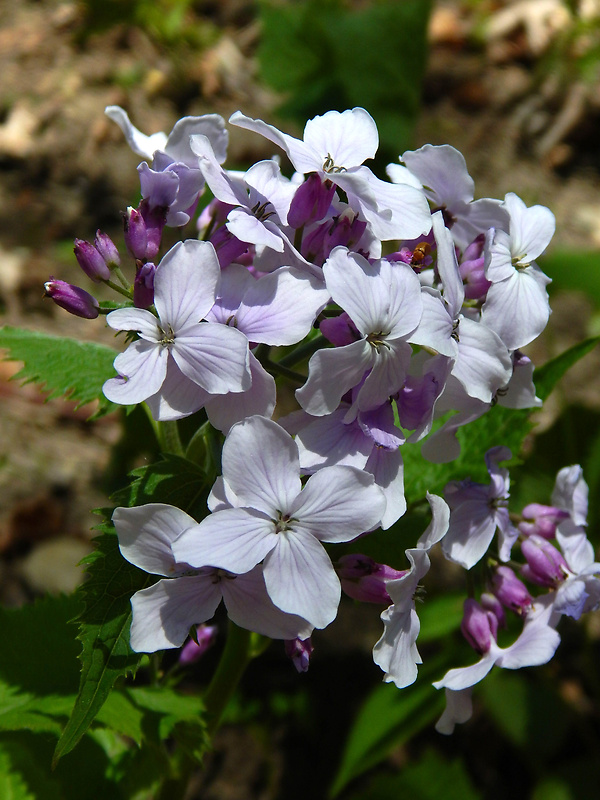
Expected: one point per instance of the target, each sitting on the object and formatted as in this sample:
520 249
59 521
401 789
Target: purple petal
224 410
142 369
215 357
185 283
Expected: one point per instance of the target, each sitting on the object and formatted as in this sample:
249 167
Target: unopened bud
364 579
107 249
143 285
90 260
192 651
478 626
541 520
300 651
545 565
490 602
311 201
511 591
73 299
135 234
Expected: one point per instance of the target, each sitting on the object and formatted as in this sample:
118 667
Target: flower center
283 522
330 167
377 340
167 337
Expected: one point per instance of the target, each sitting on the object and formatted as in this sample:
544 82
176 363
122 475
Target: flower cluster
409 299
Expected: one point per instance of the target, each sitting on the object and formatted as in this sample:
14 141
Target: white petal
338 503
517 308
280 308
250 607
388 469
260 464
210 125
327 441
396 651
349 138
135 319
472 528
459 709
178 397
185 283
242 223
443 170
302 157
331 373
300 578
142 369
235 539
164 613
438 527
146 534
143 145
531 229
463 677
224 410
483 364
215 357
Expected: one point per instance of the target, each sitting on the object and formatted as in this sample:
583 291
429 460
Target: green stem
300 353
234 659
279 369
119 289
168 438
125 283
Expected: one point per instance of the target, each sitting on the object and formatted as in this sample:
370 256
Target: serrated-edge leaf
62 366
106 655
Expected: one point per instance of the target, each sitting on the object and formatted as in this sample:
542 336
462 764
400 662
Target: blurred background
515 86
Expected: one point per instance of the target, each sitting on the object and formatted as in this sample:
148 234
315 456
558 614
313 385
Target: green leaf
173 480
65 367
304 53
389 717
106 619
547 376
431 778
104 634
440 616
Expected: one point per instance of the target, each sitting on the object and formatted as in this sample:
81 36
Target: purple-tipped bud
311 201
90 260
472 270
192 651
541 520
143 285
339 330
107 249
300 651
135 234
155 218
73 299
312 244
478 626
213 216
364 579
511 591
228 247
490 602
545 564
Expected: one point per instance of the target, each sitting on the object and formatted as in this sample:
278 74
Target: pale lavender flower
272 517
477 510
516 305
383 301
179 361
396 652
335 146
164 613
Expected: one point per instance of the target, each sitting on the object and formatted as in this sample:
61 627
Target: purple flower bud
143 285
107 249
545 565
312 244
478 626
192 651
364 579
541 520
212 217
490 603
228 247
136 235
311 201
155 218
73 299
511 591
300 651
472 270
339 330
91 261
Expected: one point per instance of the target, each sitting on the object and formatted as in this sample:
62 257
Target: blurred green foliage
331 54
